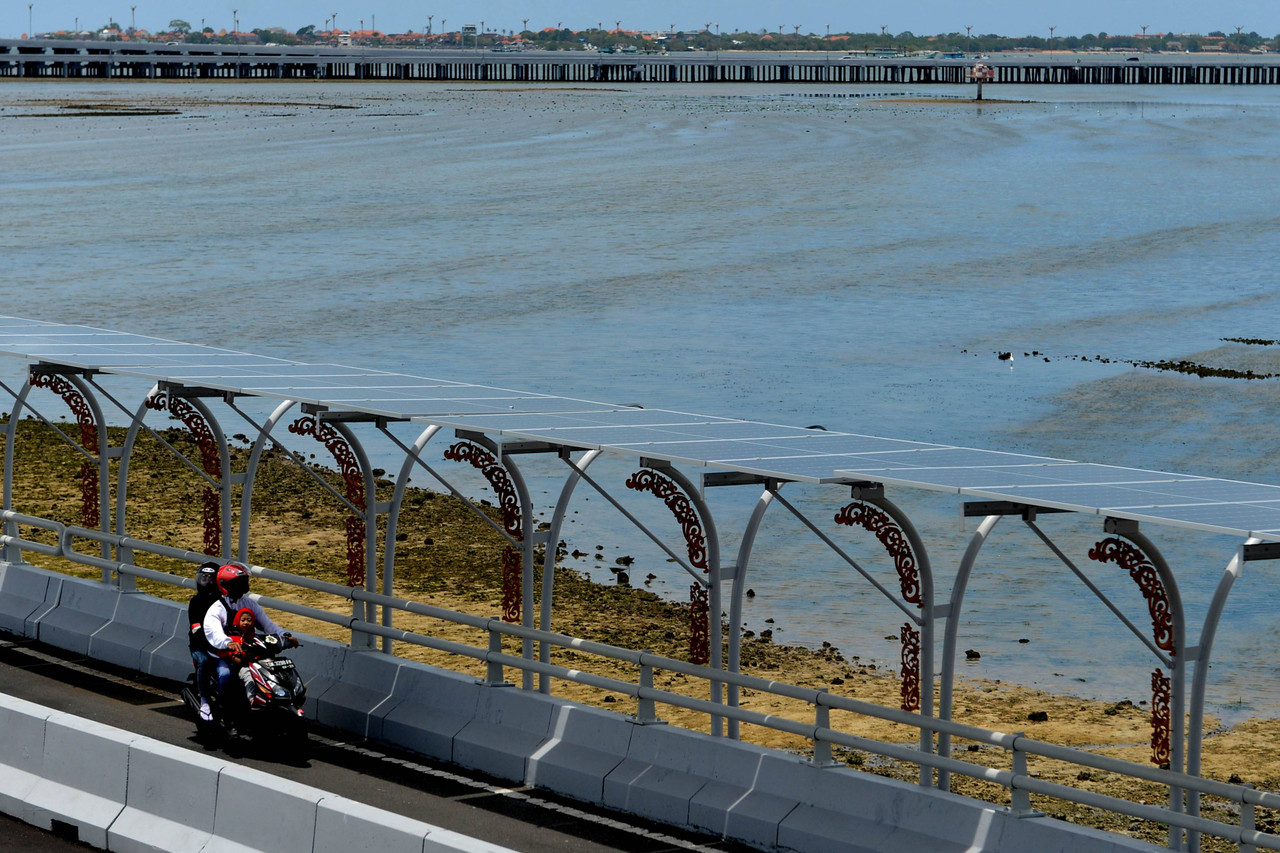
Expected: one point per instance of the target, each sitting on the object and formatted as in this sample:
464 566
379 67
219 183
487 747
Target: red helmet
233 581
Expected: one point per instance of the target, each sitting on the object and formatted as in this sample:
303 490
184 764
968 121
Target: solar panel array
727 444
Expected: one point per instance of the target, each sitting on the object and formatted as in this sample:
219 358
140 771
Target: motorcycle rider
201 652
233 584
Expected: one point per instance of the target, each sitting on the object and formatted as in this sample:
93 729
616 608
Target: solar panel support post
1128 528
12 552
393 521
366 611
738 571
873 494
947 688
251 470
215 439
93 423
527 518
713 583
549 555
1200 678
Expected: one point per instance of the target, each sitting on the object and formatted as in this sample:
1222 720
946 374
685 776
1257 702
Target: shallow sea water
747 251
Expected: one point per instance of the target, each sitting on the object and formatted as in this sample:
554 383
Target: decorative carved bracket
352 477
664 488
1161 718
896 544
210 457
1129 557
512 522
90 512
699 625
910 667
894 541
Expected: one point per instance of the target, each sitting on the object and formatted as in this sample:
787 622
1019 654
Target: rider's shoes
205 713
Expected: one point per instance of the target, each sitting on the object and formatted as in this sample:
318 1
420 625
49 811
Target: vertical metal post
1199 680
493 672
927 620
645 710
549 556
393 521
251 471
1177 710
735 602
12 553
1247 823
1019 798
947 688
821 720
715 620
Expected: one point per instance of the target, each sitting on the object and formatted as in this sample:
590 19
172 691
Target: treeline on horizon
552 38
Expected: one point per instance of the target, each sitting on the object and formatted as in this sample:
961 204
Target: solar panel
788 453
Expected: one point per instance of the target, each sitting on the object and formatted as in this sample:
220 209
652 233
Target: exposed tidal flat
741 250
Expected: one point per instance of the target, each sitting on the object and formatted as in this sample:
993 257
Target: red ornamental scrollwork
353 478
1160 718
486 463
894 541
512 584
90 511
910 668
210 457
512 521
699 625
1126 556
648 480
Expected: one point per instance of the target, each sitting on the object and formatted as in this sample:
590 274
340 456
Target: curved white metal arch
224 458
529 528
393 522
549 555
251 473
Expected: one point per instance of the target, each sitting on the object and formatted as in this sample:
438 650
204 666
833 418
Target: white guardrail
1018 782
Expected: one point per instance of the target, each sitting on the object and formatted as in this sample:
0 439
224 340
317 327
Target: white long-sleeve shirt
216 618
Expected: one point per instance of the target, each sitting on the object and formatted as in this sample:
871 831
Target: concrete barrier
737 802
83 778
367 682
83 608
320 663
167 803
428 709
26 594
506 729
137 623
21 751
128 793
664 768
585 746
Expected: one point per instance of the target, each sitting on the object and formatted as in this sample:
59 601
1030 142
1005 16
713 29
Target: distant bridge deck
58 59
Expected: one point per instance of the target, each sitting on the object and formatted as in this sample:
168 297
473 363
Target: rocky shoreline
448 557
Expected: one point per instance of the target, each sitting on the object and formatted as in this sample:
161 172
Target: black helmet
207 576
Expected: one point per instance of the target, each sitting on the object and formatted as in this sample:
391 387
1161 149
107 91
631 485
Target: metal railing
1018 781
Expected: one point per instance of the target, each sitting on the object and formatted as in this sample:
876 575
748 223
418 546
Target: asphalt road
523 819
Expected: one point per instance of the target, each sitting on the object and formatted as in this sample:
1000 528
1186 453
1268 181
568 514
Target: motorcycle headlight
281 692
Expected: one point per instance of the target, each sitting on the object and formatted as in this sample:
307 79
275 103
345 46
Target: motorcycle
269 701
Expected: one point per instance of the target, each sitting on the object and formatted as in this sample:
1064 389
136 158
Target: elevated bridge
682 460
56 59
